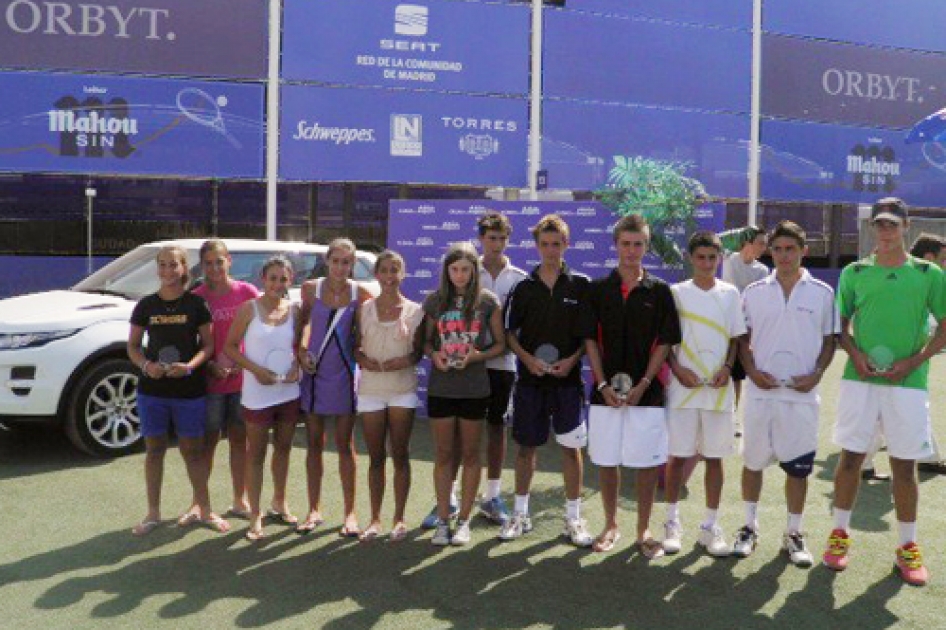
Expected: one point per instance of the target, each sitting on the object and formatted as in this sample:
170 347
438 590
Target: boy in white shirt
700 399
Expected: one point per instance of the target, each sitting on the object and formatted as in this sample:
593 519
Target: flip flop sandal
234 512
186 520
255 535
369 534
398 534
144 528
606 541
309 526
217 524
283 517
652 549
345 532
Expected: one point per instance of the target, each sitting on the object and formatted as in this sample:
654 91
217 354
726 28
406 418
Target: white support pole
535 101
272 117
90 194
756 113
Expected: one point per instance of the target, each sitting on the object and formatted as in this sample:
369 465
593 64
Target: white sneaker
462 535
794 544
673 537
712 538
577 533
441 534
519 524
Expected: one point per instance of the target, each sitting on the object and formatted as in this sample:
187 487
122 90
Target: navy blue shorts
500 390
187 415
537 410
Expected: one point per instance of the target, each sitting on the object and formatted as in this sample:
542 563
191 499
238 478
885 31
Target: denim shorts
187 415
223 412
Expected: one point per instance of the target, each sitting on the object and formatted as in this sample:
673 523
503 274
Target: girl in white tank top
270 397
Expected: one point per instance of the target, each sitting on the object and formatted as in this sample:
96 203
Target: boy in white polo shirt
885 301
792 324
700 395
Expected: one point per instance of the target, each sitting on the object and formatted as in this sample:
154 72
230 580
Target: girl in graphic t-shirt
171 390
224 295
261 342
463 329
387 348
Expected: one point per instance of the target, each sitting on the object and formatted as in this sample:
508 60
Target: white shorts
701 431
778 431
367 404
900 414
635 437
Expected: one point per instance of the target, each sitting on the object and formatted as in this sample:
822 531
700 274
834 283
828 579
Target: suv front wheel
102 411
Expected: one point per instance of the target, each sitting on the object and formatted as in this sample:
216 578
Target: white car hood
60 310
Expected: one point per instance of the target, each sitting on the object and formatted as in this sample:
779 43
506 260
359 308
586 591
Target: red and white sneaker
910 565
835 556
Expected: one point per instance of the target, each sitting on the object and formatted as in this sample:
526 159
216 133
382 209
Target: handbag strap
337 316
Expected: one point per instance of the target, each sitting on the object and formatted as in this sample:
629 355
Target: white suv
63 353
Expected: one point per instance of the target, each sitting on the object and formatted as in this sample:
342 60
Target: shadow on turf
340 583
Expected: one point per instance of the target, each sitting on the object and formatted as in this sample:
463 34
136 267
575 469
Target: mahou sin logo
92 127
874 168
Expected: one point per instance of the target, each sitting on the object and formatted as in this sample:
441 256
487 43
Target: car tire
102 410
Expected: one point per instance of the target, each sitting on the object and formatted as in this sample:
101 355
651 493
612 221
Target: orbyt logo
407 135
410 20
88 20
480 146
873 167
93 126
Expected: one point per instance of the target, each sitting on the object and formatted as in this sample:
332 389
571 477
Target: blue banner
433 44
916 24
345 134
120 125
731 14
646 62
834 163
422 230
209 38
580 140
831 82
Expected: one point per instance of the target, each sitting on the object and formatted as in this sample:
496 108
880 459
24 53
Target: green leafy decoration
661 192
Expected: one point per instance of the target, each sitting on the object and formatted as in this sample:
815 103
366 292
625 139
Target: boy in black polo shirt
631 324
543 329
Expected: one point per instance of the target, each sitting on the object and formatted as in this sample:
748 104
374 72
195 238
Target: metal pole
756 112
90 193
535 101
272 117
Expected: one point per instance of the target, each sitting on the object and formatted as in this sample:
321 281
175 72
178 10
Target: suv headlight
18 341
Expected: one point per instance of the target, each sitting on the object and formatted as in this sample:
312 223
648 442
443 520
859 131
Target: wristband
602 385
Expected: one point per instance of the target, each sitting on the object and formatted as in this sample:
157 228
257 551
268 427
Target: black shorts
500 388
465 408
738 372
536 410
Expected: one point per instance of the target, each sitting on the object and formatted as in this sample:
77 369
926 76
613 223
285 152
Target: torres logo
480 146
407 135
874 168
92 127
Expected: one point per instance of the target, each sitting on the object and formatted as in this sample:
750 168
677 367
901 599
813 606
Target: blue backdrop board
422 230
729 14
831 82
916 24
646 62
834 163
110 125
209 38
436 44
580 139
370 134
